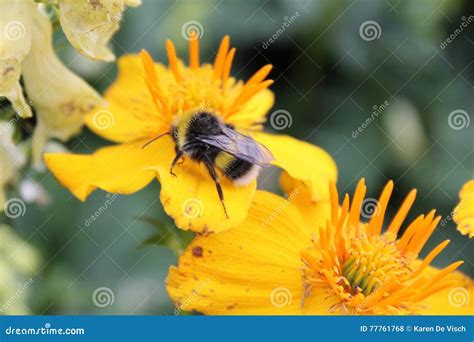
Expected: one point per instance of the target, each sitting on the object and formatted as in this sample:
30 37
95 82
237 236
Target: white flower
33 192
89 25
15 43
61 98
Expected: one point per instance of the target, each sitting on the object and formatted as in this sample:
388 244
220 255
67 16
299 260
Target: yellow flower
146 100
275 263
464 212
89 25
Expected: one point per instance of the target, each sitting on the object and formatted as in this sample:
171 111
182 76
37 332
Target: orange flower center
207 87
370 272
372 262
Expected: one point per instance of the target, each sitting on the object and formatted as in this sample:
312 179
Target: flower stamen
197 87
371 272
173 60
221 57
194 50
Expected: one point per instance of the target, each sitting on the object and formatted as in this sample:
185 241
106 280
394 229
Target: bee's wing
239 145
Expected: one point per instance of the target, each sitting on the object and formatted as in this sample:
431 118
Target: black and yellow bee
205 138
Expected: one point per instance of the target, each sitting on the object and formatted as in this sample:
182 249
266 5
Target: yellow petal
130 114
302 161
457 299
464 212
253 268
315 213
15 43
254 110
90 25
122 169
61 98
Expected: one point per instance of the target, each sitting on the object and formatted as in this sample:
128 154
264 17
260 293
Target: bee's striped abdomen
239 171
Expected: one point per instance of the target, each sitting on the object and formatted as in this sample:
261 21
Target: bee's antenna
156 138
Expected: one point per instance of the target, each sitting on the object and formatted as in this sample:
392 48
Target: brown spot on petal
96 4
7 70
68 108
197 251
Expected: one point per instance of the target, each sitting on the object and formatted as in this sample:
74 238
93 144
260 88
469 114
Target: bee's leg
215 177
178 156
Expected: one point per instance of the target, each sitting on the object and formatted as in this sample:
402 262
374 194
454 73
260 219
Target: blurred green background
331 76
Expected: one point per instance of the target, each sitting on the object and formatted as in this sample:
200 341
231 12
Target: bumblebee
205 138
